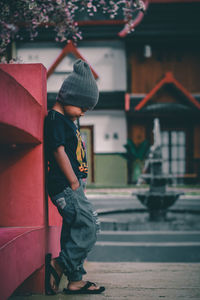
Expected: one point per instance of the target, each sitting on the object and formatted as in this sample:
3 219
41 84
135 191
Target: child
67 167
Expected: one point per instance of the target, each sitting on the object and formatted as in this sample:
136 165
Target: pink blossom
62 13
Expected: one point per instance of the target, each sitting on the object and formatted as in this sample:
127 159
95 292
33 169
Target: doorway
87 137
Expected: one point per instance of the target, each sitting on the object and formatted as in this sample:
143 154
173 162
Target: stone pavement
141 281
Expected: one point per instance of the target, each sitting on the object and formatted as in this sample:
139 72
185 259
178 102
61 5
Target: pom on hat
79 88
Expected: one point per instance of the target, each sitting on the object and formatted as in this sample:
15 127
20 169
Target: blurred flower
60 13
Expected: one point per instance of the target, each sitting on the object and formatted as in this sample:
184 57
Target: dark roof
161 107
162 22
107 100
167 107
169 21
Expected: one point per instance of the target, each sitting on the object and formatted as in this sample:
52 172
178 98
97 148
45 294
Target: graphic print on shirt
81 155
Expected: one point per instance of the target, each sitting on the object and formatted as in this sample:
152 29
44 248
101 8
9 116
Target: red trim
84 23
168 79
134 23
100 22
186 93
69 48
150 95
127 28
127 102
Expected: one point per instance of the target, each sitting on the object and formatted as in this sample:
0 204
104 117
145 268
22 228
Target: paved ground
141 281
137 280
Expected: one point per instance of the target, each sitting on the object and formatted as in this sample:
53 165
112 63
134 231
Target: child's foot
53 274
55 280
83 287
77 285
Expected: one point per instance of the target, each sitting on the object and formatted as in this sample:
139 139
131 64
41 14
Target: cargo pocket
87 216
66 207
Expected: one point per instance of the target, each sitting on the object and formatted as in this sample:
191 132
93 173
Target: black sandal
49 270
85 289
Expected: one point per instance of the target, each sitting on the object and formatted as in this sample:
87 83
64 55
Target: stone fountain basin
158 200
157 180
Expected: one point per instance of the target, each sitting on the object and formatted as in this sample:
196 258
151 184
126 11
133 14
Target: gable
168 94
167 91
68 49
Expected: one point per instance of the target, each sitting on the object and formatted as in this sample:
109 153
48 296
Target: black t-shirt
60 130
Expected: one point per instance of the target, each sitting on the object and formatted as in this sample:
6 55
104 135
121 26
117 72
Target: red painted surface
127 102
53 244
34 80
22 187
54 229
8 234
21 255
29 228
19 110
101 22
22 168
54 217
69 48
32 283
22 176
168 79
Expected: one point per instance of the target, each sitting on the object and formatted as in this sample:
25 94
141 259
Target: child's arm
65 166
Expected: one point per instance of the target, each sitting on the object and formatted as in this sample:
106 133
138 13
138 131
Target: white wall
107 125
109 61
107 58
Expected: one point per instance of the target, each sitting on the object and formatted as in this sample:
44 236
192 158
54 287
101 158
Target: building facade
151 73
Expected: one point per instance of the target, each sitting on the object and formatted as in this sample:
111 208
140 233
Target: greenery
135 151
61 14
135 155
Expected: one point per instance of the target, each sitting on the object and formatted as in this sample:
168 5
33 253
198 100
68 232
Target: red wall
21 155
23 203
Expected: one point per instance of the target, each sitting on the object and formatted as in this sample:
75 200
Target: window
174 152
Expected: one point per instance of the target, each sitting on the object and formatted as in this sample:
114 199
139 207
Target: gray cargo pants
78 235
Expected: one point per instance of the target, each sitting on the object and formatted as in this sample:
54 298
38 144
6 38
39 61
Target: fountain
128 234
157 199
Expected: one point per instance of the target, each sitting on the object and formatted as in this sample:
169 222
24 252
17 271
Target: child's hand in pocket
75 186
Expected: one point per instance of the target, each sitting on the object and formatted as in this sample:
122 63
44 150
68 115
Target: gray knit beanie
79 88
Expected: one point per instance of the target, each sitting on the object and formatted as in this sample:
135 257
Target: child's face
74 112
